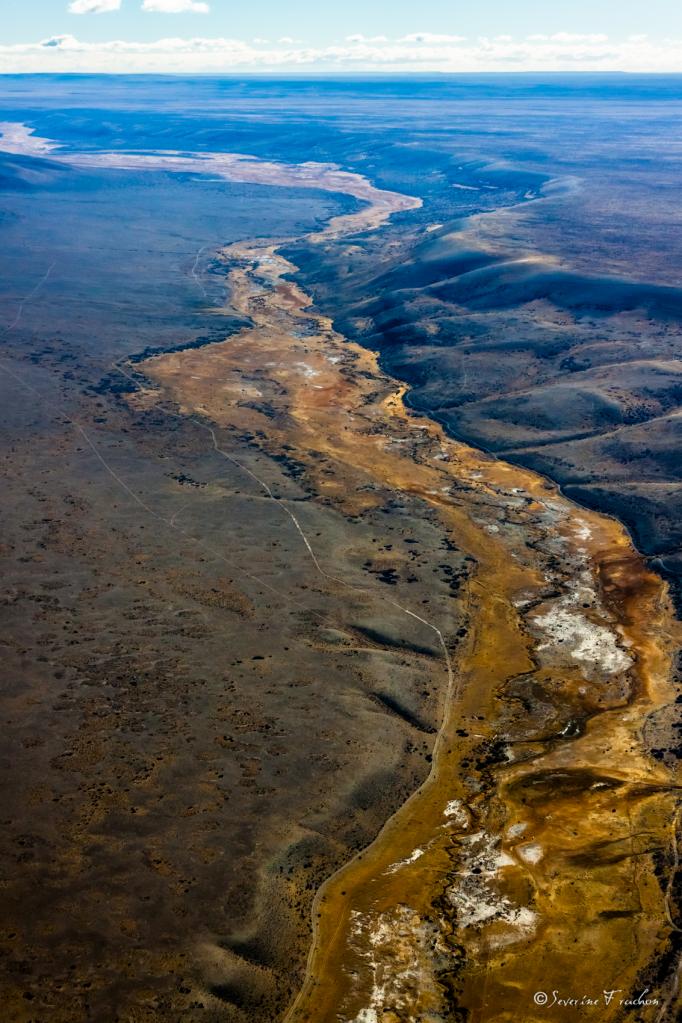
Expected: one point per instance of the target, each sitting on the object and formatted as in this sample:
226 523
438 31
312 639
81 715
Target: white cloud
175 6
571 37
559 52
94 6
430 37
359 38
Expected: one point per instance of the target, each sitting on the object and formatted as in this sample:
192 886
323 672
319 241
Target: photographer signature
542 998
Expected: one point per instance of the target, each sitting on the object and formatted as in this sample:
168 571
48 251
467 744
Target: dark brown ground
196 731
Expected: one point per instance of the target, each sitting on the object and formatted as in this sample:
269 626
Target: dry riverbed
538 855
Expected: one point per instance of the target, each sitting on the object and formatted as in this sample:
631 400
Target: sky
351 35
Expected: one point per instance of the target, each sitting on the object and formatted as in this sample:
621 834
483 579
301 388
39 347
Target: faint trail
27 298
669 892
193 272
669 900
174 517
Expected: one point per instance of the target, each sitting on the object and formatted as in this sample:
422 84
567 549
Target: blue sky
446 35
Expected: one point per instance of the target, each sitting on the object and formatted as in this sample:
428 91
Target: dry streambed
539 853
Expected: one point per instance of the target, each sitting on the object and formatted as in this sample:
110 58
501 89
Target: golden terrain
540 853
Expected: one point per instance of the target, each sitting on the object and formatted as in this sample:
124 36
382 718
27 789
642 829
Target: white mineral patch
582 530
517 829
570 632
474 894
585 641
414 855
531 853
307 370
396 948
479 907
18 138
370 1015
455 812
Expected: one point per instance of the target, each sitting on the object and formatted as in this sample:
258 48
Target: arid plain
314 711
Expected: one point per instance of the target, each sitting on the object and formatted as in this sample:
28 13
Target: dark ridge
507 284
233 994
433 262
253 950
383 639
27 173
394 707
